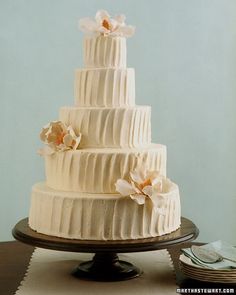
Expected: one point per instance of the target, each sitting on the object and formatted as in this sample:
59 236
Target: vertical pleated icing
97 170
104 52
79 200
110 127
104 87
100 217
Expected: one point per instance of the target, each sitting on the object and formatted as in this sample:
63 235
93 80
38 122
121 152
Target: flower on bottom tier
145 185
58 137
105 25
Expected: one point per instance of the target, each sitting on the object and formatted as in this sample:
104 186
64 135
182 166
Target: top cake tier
104 52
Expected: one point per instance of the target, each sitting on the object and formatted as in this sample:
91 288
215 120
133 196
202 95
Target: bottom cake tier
100 216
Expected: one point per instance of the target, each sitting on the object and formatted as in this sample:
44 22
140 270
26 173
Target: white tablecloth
49 274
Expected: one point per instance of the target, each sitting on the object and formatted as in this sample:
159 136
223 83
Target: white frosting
104 52
110 127
100 216
97 170
79 200
104 87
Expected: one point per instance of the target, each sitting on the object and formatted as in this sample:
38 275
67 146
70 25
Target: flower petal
101 15
168 185
124 187
103 30
157 200
156 181
114 25
76 142
125 31
43 133
154 174
158 187
88 25
120 19
137 176
62 147
46 151
71 131
148 190
57 127
138 198
68 140
136 189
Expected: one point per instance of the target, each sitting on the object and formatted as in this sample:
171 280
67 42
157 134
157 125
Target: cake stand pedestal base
105 265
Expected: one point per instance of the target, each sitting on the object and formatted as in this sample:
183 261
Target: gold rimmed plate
206 278
199 273
213 275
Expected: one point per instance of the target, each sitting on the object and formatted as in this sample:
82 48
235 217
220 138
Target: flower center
60 137
145 183
106 24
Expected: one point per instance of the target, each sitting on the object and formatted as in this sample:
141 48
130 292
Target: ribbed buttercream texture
104 51
110 127
96 171
100 217
104 87
79 200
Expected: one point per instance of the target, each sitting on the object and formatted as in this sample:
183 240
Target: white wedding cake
105 180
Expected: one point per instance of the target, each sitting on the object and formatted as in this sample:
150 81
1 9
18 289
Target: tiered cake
105 180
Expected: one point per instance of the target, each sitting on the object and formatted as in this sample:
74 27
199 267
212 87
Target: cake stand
105 265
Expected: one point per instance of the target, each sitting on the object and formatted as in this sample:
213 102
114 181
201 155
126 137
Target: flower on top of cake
104 24
58 137
146 185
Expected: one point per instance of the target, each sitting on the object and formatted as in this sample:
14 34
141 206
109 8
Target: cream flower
145 185
58 137
105 25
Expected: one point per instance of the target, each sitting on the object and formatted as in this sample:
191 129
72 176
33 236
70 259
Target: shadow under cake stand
105 265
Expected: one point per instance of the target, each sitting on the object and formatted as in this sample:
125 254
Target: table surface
15 256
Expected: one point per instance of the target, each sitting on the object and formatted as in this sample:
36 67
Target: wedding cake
105 180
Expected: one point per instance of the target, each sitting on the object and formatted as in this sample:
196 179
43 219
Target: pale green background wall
184 53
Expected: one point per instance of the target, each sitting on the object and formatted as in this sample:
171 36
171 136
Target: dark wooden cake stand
105 265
